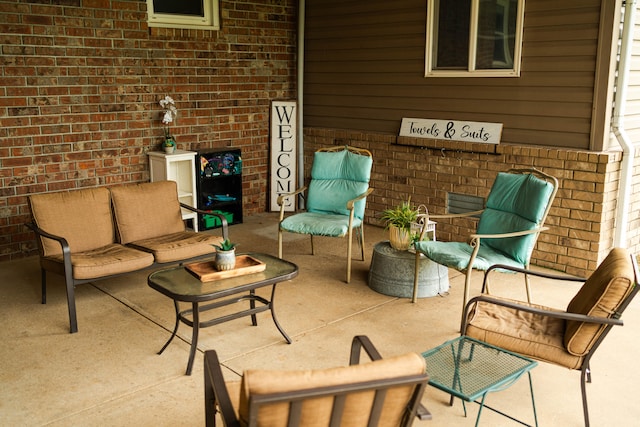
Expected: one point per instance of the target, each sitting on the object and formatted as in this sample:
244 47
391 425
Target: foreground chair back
508 228
385 392
336 198
568 337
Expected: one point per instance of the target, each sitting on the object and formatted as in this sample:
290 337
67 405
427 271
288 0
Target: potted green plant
225 255
398 221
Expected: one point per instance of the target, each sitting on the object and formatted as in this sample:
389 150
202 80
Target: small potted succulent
225 255
168 116
398 221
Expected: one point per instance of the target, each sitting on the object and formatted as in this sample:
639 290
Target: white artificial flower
167 118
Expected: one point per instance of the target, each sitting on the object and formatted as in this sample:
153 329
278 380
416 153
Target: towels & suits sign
453 130
284 146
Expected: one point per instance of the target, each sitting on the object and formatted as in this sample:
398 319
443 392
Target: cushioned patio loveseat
97 233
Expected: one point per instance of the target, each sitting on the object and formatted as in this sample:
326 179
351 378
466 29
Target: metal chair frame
217 398
585 369
350 206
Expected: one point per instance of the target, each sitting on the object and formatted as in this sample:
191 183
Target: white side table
179 166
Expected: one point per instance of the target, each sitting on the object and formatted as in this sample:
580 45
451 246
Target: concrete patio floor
109 373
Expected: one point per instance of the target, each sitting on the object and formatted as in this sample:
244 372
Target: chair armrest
445 216
522 306
216 394
282 197
223 219
352 202
505 235
529 273
362 342
66 250
533 273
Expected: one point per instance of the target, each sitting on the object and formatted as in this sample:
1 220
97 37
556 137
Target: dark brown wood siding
364 70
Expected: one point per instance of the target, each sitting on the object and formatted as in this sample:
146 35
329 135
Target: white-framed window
476 38
200 14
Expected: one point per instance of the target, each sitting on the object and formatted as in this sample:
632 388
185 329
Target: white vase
169 150
225 260
399 238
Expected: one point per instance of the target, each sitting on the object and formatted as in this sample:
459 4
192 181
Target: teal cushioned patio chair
508 228
336 198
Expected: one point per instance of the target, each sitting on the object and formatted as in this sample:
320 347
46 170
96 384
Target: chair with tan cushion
384 392
76 239
148 217
567 337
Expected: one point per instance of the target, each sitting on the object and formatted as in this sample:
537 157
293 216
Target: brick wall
79 89
581 219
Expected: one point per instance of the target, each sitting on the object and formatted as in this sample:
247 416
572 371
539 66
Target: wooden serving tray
206 271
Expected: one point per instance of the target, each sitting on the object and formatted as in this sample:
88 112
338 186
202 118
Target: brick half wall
581 220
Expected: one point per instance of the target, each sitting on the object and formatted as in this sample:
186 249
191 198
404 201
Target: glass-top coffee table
182 286
470 369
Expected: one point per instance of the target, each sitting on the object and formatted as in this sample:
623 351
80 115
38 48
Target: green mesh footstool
470 369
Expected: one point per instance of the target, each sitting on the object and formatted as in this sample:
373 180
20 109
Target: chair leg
349 248
467 288
585 376
360 236
313 251
527 285
486 286
43 279
416 275
71 302
279 243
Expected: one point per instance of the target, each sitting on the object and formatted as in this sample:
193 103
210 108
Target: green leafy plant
400 216
226 245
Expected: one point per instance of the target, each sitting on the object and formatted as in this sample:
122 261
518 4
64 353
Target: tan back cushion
83 217
317 412
145 211
600 296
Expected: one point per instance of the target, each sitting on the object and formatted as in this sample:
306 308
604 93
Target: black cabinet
219 182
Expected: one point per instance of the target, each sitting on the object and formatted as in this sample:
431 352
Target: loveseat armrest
221 217
64 245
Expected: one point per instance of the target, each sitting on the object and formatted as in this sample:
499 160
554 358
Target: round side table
392 273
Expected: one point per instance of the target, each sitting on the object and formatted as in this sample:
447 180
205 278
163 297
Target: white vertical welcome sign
283 152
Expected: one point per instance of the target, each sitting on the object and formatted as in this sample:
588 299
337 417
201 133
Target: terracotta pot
399 238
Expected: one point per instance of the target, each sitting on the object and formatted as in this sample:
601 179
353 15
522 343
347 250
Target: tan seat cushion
101 262
179 246
600 296
148 210
317 412
83 217
536 336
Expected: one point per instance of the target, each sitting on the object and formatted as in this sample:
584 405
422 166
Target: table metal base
184 317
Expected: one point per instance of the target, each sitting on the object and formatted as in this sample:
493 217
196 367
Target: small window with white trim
200 14
474 37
